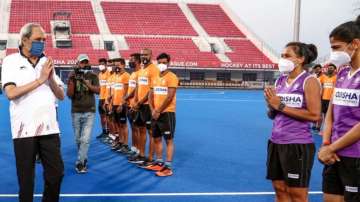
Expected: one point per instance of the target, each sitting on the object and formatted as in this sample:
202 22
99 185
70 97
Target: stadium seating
146 19
181 49
162 27
23 11
245 52
215 21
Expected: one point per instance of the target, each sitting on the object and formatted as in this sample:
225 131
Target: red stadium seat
182 50
215 21
146 19
24 11
246 52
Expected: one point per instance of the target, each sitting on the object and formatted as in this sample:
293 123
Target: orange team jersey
118 88
102 80
145 78
161 86
132 86
109 83
328 84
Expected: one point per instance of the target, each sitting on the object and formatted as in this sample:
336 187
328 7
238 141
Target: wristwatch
281 106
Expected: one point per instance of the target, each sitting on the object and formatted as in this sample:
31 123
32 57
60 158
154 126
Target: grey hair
26 31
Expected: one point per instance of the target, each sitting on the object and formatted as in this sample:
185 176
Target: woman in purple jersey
293 105
340 151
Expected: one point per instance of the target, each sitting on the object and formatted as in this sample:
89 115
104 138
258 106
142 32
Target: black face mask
132 65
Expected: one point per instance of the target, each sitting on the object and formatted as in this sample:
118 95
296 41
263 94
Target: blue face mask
37 48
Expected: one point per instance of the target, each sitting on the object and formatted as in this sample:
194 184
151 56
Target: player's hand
327 156
271 98
110 107
119 108
155 114
86 82
136 106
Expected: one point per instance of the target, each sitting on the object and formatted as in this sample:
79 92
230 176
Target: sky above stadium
272 20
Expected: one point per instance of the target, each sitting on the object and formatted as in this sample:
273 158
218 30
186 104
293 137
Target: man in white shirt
28 80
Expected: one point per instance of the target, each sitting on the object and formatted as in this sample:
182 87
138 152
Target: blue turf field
220 154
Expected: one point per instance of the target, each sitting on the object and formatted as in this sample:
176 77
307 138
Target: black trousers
48 147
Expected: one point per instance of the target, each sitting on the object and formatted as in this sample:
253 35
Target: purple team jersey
346 109
288 130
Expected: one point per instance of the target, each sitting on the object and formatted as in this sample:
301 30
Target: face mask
339 58
162 67
37 48
102 67
286 66
132 65
330 72
145 61
109 68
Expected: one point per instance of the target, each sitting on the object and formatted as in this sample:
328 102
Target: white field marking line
196 94
220 100
162 194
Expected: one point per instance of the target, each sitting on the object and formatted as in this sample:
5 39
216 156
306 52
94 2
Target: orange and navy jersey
132 85
146 77
109 83
102 81
328 84
118 89
161 86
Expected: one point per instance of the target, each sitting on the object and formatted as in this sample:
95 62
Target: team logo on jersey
292 100
346 97
158 90
357 80
296 86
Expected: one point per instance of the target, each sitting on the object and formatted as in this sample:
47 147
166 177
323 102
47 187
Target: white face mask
102 67
162 67
286 66
339 58
109 68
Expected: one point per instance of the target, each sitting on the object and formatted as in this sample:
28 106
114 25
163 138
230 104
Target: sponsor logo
118 86
346 97
328 85
132 83
293 176
292 100
352 189
143 81
160 90
102 82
